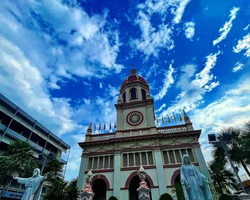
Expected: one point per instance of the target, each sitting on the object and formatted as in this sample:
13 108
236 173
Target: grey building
16 124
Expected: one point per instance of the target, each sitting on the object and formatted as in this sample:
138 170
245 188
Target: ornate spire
186 118
89 131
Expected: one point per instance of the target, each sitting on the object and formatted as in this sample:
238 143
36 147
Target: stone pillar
143 190
87 193
244 196
80 178
201 161
117 175
160 171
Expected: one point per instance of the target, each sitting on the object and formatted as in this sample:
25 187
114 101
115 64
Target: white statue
33 185
195 185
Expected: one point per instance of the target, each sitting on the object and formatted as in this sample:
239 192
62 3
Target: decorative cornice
146 148
135 104
141 137
96 171
177 165
136 168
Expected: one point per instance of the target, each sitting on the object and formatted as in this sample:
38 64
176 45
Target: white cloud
160 109
152 38
189 29
233 107
194 86
167 82
227 26
243 44
246 28
238 66
177 8
100 85
180 10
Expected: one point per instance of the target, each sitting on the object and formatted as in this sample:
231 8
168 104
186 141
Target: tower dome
134 88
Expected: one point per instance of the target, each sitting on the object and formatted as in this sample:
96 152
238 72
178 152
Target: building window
165 157
175 156
137 159
191 156
125 160
101 162
143 94
124 97
150 158
133 93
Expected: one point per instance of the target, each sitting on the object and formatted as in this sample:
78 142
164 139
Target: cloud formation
227 26
238 66
189 29
243 44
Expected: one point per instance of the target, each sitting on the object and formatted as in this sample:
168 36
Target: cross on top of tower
133 71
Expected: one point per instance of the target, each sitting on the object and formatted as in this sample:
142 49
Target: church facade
115 157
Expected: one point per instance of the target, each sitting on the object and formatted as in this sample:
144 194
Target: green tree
166 196
225 197
179 191
72 191
237 149
223 178
19 160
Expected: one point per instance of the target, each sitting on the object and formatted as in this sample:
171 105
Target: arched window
143 94
124 97
133 93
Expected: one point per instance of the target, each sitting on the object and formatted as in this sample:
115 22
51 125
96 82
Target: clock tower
135 107
114 157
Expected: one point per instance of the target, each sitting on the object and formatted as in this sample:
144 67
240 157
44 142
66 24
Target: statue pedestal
87 193
244 196
143 191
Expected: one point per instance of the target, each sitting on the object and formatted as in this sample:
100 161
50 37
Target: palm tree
72 190
237 149
18 159
223 179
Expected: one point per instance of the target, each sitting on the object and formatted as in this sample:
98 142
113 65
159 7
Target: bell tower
135 107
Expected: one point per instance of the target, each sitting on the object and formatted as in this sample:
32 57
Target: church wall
140 109
124 194
109 194
155 193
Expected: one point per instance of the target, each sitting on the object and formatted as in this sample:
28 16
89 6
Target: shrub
166 196
225 197
113 198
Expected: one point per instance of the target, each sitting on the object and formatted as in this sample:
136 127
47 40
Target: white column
147 158
160 172
117 175
92 164
134 158
109 162
98 160
175 160
168 157
128 160
80 179
103 159
140 159
201 161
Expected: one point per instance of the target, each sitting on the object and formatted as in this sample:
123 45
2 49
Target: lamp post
45 158
226 138
87 193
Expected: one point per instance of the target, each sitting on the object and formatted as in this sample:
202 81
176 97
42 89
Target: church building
114 158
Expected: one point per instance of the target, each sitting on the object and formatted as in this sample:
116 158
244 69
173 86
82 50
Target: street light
226 138
44 157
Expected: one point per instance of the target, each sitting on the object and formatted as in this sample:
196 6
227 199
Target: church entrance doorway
99 188
133 186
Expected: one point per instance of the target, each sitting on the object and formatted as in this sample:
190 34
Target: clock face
134 118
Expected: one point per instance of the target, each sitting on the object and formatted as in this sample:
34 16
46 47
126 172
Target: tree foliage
166 196
17 159
225 197
113 198
239 151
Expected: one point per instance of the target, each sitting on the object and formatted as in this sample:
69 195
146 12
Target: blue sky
64 61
